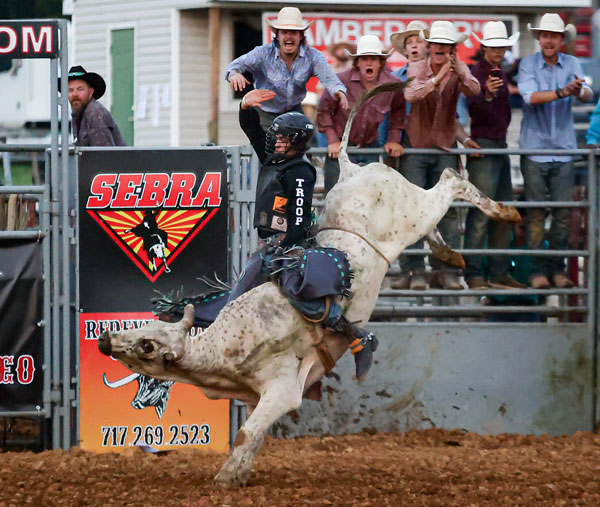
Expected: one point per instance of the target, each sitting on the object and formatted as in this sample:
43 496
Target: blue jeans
491 175
425 171
332 165
557 179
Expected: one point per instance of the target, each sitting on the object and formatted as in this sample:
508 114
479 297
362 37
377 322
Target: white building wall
165 62
94 20
194 82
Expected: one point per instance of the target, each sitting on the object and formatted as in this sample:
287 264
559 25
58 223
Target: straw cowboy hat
443 32
413 28
349 46
496 36
552 22
289 18
369 45
91 78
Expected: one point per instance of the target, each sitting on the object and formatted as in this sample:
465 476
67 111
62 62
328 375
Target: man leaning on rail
548 81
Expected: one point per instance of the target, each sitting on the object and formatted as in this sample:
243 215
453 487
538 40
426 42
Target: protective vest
271 199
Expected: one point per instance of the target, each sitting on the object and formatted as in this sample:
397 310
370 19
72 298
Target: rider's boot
361 342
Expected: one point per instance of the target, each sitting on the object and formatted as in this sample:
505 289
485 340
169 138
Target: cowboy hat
332 48
369 45
496 36
552 22
443 32
289 18
91 78
413 28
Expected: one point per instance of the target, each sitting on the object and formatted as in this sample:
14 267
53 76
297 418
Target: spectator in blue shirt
284 66
547 82
592 137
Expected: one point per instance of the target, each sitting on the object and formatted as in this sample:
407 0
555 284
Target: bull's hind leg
281 396
464 189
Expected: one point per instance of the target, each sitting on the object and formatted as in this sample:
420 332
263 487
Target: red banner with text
329 28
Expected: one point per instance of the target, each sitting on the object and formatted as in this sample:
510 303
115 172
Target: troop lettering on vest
299 200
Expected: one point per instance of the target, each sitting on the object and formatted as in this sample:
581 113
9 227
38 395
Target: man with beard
367 72
548 80
433 94
92 124
284 66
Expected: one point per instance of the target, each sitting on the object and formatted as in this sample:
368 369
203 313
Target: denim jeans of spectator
425 171
491 175
332 166
558 180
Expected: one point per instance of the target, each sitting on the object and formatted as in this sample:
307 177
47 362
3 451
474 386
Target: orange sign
120 409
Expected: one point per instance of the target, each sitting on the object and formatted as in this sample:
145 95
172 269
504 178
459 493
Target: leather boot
362 347
362 344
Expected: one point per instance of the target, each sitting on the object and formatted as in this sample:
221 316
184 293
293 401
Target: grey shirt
94 126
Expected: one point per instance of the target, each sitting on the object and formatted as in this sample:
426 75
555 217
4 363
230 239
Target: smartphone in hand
496 73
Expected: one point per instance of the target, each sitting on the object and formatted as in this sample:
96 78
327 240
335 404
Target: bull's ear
188 317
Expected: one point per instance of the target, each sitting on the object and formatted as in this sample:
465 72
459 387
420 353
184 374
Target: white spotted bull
260 349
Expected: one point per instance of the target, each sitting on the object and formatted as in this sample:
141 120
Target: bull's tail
394 86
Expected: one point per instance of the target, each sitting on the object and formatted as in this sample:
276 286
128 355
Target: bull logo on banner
152 217
150 393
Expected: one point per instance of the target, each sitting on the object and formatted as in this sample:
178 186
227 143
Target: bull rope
361 237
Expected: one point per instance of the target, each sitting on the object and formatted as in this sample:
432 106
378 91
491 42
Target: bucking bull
260 350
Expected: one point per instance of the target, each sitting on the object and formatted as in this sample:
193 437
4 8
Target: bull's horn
188 317
120 383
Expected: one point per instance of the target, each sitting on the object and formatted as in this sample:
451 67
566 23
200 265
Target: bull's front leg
280 396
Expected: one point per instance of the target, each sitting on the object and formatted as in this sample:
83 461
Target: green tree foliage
30 9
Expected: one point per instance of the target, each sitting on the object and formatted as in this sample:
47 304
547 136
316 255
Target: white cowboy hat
369 45
289 18
413 28
552 22
496 36
443 32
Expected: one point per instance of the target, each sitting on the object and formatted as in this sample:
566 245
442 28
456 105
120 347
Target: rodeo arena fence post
38 373
43 365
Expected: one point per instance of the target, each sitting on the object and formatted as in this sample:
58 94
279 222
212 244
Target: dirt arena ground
433 468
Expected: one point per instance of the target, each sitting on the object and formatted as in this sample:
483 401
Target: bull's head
150 350
151 392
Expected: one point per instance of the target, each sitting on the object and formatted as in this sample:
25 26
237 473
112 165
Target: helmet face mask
297 128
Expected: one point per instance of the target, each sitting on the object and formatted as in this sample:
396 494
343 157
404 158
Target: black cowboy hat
91 78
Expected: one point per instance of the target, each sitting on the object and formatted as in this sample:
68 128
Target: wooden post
214 34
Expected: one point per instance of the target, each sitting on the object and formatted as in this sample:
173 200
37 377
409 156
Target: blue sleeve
579 72
593 134
247 63
325 73
528 84
383 130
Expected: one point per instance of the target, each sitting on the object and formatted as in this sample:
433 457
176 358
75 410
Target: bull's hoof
508 213
449 256
228 480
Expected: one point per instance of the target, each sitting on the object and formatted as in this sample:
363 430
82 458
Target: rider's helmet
297 127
